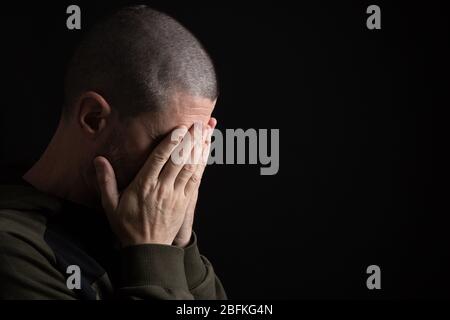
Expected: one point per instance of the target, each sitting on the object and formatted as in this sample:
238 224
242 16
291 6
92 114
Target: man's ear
93 112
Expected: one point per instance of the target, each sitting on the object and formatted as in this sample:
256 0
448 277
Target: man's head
135 76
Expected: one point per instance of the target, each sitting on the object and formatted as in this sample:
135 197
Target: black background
359 113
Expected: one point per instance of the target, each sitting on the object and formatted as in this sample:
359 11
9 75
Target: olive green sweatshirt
47 242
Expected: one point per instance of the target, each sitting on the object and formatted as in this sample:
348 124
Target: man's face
133 142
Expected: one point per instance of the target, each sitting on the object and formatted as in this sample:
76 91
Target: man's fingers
187 171
212 122
160 156
176 157
192 182
181 160
107 184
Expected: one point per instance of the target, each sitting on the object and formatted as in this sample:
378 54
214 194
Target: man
106 200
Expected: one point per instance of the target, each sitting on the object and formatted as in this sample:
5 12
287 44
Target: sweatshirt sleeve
153 271
202 281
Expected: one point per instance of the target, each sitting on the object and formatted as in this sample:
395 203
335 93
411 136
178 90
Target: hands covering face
158 205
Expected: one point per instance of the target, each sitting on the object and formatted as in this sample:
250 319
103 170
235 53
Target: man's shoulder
21 207
21 222
21 217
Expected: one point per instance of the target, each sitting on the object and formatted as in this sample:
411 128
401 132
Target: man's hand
153 207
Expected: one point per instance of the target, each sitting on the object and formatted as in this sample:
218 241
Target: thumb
106 180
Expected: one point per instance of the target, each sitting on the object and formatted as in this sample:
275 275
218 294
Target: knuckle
173 141
159 157
141 192
195 178
105 180
163 191
141 187
189 168
139 183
